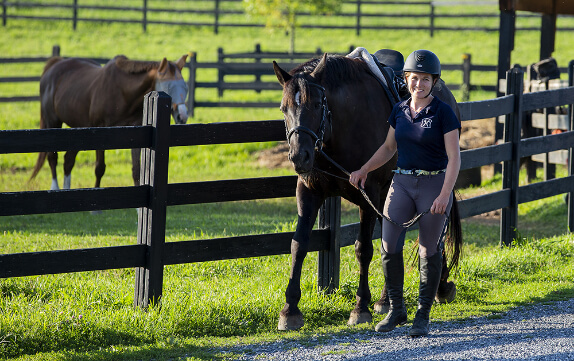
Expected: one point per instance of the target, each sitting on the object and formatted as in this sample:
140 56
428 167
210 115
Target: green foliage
283 13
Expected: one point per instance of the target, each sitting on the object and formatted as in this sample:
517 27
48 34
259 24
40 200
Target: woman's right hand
358 178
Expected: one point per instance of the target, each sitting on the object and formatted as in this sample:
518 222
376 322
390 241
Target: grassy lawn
208 308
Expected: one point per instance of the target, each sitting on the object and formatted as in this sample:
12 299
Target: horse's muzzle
179 114
302 160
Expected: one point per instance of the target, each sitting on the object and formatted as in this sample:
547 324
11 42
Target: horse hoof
290 323
446 294
358 317
382 308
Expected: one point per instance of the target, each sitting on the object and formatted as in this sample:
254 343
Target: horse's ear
281 74
181 62
162 66
320 67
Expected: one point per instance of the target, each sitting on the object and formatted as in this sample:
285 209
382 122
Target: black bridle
325 118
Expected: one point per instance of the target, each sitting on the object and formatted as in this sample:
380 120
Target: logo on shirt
426 123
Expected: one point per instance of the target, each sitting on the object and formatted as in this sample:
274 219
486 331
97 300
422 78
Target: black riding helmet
422 61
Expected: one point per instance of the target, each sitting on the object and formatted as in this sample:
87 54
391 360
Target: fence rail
355 15
155 194
253 67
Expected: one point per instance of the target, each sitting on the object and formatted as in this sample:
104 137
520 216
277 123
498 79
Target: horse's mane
134 66
338 69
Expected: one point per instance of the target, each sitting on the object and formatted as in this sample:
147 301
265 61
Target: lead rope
364 193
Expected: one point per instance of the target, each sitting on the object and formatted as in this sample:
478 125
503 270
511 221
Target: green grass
209 308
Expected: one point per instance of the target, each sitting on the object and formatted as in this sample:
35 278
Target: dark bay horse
82 93
337 105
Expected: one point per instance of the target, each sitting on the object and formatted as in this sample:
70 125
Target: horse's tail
453 241
41 155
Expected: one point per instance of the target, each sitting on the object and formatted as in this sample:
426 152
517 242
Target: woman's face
420 84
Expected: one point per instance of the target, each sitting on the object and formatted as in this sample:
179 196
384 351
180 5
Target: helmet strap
432 87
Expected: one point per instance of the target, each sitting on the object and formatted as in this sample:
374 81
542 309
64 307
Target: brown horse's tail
41 155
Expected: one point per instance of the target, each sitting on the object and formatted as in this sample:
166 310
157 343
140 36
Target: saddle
387 67
391 63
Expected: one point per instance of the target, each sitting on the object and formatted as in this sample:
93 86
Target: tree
282 14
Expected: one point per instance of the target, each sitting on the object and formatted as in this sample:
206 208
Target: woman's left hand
439 205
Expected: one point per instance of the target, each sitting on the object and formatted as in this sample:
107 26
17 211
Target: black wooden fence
155 194
255 70
355 15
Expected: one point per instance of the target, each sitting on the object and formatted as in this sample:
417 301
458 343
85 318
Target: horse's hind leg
69 161
53 162
364 255
100 166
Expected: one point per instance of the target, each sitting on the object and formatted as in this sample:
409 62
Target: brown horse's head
304 106
170 80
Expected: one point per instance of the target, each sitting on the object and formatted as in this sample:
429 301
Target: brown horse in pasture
82 93
334 106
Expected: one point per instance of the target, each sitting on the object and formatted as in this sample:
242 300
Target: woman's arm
451 142
381 156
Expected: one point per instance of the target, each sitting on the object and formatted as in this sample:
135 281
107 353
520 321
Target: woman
425 133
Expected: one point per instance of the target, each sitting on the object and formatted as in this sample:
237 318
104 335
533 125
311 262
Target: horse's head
170 80
304 106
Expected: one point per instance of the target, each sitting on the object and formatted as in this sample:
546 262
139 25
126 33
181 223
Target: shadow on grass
235 217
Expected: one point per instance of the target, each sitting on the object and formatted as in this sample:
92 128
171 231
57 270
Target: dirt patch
275 157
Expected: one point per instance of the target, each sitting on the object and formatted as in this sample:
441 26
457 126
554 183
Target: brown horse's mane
134 66
338 69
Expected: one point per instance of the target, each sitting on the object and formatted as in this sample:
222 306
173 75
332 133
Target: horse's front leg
308 203
364 255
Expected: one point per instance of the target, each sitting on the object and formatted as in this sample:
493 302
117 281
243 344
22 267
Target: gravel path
537 332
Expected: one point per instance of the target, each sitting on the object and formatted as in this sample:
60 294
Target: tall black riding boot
394 271
430 271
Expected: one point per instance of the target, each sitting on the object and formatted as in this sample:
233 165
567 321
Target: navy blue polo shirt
420 141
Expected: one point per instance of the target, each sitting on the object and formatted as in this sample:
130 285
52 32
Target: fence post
330 260
4 13
75 15
144 16
511 168
216 19
192 65
56 50
220 71
358 17
152 219
258 61
466 68
431 18
571 150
